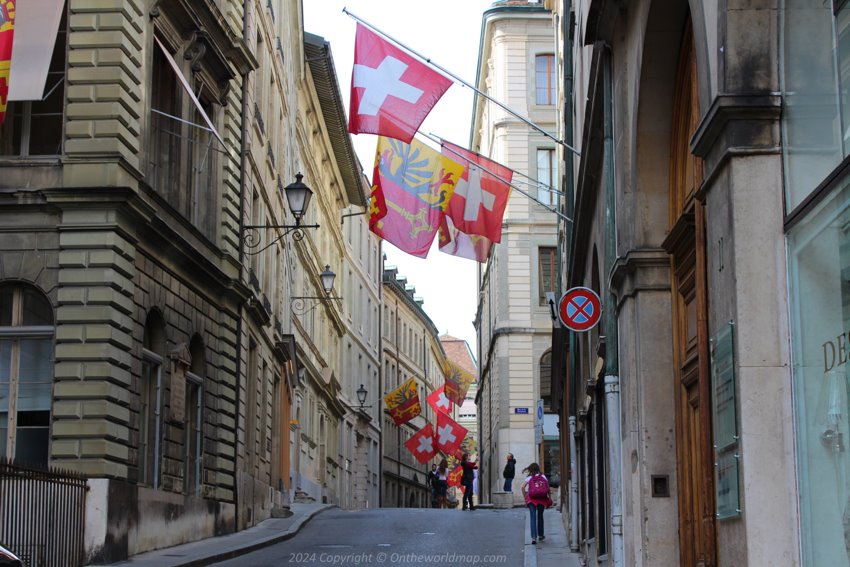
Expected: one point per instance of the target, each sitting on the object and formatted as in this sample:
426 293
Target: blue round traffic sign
580 309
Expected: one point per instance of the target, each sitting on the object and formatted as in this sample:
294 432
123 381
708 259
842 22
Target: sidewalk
554 551
214 549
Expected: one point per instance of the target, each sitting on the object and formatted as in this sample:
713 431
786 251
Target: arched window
546 380
26 373
150 400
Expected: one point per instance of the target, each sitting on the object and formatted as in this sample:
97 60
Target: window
193 446
547 271
544 78
547 172
546 380
26 373
34 128
150 401
182 155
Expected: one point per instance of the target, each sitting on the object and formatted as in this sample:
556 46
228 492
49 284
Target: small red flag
423 445
450 434
438 401
391 91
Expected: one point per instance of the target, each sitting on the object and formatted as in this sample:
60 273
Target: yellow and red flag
454 477
7 31
458 381
411 188
403 402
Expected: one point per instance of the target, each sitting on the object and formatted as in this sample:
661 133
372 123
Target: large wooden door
686 244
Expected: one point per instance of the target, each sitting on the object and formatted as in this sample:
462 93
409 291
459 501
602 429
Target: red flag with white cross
450 434
438 401
391 91
481 194
423 445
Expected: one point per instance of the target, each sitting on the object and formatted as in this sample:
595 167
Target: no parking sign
580 309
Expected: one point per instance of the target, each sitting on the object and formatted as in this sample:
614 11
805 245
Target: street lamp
298 197
361 396
302 304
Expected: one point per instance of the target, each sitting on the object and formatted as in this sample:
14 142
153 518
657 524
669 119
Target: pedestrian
432 480
442 484
509 473
467 480
535 490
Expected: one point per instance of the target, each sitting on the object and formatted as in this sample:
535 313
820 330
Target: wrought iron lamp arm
251 234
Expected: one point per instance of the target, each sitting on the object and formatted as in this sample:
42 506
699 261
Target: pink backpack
538 487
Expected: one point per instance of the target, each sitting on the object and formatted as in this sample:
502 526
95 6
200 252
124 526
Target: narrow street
391 537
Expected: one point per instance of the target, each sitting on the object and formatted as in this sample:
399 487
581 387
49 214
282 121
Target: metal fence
42 515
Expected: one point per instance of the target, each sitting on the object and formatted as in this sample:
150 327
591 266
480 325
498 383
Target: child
535 490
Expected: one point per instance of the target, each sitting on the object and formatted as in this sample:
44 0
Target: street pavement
552 552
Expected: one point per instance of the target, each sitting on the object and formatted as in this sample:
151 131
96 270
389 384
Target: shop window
34 128
544 79
26 374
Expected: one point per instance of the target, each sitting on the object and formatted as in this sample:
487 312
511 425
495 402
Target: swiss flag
439 401
469 246
423 445
481 194
450 434
391 91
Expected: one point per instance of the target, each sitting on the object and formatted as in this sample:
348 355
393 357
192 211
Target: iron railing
42 515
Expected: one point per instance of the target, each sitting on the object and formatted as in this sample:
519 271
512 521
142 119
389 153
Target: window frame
14 333
546 192
552 252
545 96
152 392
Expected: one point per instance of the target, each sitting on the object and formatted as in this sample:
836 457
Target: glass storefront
819 280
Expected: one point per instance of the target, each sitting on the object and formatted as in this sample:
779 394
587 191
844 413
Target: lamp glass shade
361 394
327 278
298 196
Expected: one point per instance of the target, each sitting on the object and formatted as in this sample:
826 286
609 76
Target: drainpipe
612 378
247 22
573 486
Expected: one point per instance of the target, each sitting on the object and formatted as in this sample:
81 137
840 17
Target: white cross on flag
450 434
438 401
422 444
391 91
481 194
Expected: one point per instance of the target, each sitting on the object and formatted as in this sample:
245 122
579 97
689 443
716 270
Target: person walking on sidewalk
432 481
467 480
535 490
509 473
442 481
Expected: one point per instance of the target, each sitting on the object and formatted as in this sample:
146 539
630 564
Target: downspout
247 22
612 378
380 411
569 211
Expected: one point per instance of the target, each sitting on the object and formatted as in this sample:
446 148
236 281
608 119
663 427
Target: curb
224 555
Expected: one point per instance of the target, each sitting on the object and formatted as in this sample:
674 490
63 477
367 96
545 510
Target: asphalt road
390 537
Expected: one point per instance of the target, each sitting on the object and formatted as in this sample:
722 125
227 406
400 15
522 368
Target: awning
36 26
188 89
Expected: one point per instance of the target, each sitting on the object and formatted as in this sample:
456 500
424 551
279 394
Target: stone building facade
516 67
411 349
150 345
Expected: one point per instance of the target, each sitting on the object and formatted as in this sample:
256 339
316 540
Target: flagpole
462 82
439 140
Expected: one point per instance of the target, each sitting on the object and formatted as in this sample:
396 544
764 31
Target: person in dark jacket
467 480
509 473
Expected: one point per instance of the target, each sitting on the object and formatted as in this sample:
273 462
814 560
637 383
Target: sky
448 32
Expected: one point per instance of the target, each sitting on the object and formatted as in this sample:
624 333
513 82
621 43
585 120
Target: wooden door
686 244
